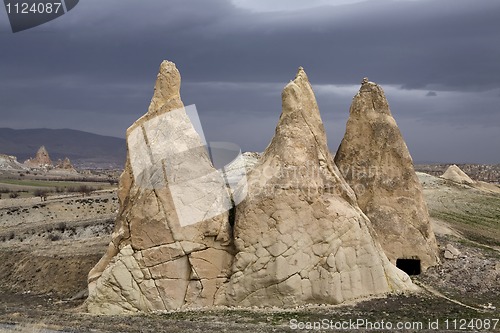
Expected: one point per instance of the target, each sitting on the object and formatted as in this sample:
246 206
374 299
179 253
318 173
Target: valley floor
47 249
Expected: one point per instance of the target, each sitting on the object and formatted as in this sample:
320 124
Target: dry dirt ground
47 249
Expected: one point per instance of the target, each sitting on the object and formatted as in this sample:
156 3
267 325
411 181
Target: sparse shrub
71 189
59 189
54 238
13 195
4 190
41 193
61 226
85 190
71 230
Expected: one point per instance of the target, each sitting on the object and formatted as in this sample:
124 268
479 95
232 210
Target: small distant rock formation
375 161
454 173
293 235
41 159
65 165
245 163
8 162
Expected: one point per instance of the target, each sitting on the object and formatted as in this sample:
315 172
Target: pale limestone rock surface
375 161
454 173
451 252
299 234
171 247
8 162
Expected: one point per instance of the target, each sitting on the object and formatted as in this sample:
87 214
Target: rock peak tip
301 73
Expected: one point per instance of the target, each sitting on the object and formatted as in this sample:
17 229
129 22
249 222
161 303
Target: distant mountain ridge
83 148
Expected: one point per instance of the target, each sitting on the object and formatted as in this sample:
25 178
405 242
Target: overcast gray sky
94 68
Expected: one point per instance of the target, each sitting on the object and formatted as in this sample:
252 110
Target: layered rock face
375 161
8 162
172 244
41 160
299 234
454 173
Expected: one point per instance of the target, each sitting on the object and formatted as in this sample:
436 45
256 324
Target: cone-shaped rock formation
65 165
454 173
375 161
171 246
299 234
41 159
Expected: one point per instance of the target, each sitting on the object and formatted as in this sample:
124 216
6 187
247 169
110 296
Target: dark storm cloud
451 43
94 68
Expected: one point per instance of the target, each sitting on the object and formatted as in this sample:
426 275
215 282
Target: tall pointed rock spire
375 161
299 235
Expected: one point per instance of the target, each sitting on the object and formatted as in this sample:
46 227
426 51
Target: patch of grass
475 214
475 227
490 252
37 183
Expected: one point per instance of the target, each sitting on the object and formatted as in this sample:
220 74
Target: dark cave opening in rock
409 266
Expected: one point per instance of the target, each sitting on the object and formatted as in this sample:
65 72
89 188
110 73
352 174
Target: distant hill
83 148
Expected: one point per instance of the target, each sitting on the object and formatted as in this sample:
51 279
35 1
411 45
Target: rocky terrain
57 240
10 163
40 281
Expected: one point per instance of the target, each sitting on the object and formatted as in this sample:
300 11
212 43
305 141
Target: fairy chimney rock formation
375 161
454 173
65 165
171 247
41 159
299 234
